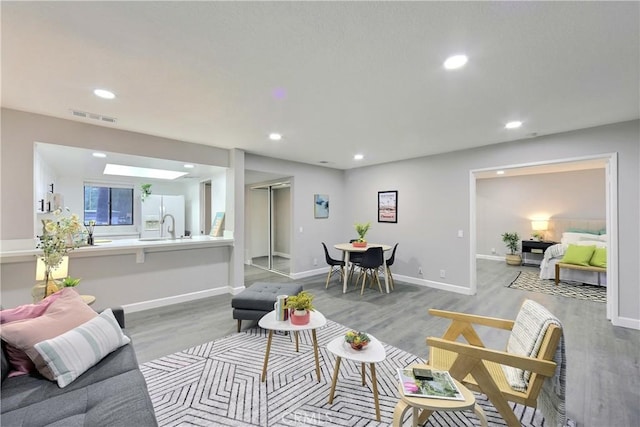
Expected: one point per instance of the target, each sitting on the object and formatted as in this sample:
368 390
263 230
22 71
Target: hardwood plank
602 360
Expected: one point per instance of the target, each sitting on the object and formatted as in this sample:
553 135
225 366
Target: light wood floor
602 360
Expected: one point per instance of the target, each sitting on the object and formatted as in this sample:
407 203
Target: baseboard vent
93 116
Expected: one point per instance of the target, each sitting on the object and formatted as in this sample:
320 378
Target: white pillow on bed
571 237
596 243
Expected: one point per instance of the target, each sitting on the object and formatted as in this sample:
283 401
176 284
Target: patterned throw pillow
70 355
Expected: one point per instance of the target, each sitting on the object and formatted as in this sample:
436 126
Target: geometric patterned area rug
218 384
531 281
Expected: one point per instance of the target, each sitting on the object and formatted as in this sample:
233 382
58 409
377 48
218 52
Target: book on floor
433 384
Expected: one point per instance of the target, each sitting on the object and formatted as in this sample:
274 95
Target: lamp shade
60 272
538 225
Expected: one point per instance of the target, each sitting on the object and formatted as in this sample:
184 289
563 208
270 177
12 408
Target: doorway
270 226
609 162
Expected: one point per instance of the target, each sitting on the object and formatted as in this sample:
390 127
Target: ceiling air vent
93 116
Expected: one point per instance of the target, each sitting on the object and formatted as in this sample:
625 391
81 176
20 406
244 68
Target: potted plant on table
300 305
362 230
511 240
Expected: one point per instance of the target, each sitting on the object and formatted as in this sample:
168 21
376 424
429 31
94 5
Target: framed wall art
387 206
321 206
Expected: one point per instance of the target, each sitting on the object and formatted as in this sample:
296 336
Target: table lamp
539 227
60 272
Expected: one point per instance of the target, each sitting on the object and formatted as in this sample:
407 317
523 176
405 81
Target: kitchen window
108 205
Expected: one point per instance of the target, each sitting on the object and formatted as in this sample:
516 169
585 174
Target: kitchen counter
105 247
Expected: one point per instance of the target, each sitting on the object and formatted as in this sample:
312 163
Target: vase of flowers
59 236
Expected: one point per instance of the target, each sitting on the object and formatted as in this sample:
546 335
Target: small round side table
373 353
423 407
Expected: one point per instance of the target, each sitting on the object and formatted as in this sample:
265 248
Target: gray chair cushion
262 295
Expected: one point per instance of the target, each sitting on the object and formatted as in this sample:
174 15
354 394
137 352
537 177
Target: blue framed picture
321 206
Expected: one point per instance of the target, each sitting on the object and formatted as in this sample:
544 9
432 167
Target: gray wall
434 202
21 130
509 203
433 199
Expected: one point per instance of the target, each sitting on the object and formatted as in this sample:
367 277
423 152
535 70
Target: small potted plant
145 191
70 282
300 305
357 340
511 240
362 230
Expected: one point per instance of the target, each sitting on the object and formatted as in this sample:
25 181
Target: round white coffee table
268 321
423 407
373 353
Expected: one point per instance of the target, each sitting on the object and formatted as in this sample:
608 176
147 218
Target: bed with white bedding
555 253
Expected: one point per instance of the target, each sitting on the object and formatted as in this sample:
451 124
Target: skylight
122 170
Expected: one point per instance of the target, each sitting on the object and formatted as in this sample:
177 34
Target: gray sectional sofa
112 393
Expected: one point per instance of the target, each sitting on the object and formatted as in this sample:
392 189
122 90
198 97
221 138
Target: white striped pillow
69 355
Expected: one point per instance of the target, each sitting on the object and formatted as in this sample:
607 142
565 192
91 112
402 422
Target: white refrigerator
154 208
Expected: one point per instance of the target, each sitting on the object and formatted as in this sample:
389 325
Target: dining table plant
60 235
361 229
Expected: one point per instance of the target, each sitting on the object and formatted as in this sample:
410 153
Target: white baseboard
626 322
433 284
163 302
491 257
309 273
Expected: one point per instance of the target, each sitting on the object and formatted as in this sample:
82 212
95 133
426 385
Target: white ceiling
335 78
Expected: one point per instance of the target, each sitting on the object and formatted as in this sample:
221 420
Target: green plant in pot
362 230
145 191
301 305
511 241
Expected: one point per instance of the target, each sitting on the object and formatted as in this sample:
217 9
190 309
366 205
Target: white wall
307 231
510 203
434 203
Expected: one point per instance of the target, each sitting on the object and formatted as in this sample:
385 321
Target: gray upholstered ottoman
259 298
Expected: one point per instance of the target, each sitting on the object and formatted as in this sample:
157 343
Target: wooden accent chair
479 368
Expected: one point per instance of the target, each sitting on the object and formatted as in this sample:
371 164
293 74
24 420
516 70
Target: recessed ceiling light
103 93
188 166
275 136
500 173
122 170
513 125
100 155
455 61
358 157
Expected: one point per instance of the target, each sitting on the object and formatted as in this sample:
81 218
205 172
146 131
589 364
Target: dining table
348 248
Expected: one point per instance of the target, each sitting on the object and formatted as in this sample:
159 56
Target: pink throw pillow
28 311
64 313
18 360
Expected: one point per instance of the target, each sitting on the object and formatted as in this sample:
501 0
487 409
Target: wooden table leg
364 377
481 416
296 335
315 350
557 274
346 276
398 413
335 379
422 418
374 381
266 356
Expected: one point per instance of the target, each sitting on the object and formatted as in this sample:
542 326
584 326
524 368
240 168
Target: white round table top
268 321
373 353
350 248
440 404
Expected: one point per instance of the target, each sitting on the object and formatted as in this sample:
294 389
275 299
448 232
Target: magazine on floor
429 383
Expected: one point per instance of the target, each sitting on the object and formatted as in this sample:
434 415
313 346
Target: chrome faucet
171 230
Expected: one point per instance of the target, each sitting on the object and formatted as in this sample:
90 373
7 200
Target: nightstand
533 251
